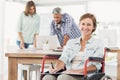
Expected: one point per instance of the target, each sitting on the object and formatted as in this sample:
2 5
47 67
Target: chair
29 69
94 75
99 75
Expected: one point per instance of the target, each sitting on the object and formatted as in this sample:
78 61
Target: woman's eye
88 24
83 23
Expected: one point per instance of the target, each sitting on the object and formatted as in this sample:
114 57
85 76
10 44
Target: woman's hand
22 46
59 47
59 65
51 70
34 44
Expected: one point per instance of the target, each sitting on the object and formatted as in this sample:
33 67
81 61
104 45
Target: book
60 72
57 50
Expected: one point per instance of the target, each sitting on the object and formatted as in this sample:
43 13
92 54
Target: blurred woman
28 26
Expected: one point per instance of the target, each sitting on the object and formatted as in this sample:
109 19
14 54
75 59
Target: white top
76 60
28 25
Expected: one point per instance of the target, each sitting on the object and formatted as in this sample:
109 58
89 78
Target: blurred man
64 27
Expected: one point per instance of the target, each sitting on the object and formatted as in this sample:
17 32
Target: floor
110 69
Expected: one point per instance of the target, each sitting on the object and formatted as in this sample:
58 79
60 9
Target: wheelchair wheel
106 77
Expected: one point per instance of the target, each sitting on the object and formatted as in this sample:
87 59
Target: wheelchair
94 75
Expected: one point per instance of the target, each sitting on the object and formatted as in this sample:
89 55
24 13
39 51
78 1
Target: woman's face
86 26
32 10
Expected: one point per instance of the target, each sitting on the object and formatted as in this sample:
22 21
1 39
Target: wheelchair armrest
96 59
92 59
47 57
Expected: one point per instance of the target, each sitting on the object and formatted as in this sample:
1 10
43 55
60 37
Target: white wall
59 2
2 6
12 13
105 11
107 14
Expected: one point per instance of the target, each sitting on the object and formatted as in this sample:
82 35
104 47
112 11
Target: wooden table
118 60
17 56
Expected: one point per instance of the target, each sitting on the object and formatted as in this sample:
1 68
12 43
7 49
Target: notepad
57 50
60 72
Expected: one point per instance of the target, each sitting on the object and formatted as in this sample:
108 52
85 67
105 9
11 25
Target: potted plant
46 45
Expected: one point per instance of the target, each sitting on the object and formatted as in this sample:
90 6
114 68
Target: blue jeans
26 44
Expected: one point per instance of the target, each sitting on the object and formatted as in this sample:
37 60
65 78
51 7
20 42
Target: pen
52 65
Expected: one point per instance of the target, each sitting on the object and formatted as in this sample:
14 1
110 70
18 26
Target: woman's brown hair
92 17
28 5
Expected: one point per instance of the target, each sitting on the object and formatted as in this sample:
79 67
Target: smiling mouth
85 30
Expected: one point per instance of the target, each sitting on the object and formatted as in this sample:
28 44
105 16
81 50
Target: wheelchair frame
99 75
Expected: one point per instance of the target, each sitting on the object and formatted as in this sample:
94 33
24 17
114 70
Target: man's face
57 18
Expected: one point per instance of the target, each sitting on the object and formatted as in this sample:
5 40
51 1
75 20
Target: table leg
118 65
12 68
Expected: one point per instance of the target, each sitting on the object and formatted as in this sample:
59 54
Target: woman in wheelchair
77 51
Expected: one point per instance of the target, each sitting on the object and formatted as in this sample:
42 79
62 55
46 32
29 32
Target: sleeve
19 28
68 24
98 53
65 57
99 50
52 29
38 25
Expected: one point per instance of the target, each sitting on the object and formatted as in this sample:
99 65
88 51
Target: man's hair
28 5
56 10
